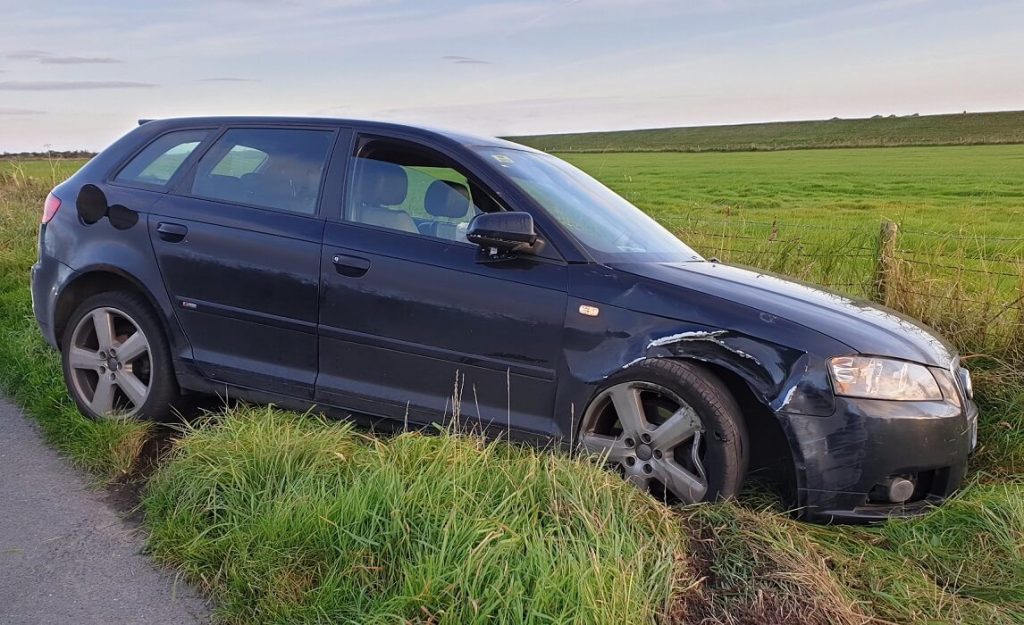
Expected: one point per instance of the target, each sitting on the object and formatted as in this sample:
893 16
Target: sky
78 74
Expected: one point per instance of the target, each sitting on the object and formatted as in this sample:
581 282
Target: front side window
611 228
410 189
276 168
161 159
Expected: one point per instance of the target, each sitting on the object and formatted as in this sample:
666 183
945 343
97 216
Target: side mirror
501 235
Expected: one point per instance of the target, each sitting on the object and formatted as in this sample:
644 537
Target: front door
239 250
411 324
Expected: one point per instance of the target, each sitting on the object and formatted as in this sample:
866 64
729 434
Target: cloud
77 60
71 85
48 58
465 60
228 79
10 111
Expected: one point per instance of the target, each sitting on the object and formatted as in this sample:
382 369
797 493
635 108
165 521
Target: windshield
611 228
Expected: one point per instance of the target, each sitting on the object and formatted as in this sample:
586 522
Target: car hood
863 326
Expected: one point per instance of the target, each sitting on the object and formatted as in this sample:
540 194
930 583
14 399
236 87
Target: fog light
899 489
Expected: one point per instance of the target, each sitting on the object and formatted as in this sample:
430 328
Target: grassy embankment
284 518
879 131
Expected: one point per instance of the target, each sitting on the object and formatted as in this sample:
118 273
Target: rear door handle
351 266
173 233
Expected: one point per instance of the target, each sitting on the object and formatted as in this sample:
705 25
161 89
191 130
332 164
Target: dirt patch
125 493
751 574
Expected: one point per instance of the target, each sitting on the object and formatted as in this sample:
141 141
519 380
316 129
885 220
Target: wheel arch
771 456
95 280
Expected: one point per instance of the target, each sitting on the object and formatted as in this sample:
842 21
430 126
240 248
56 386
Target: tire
683 437
137 383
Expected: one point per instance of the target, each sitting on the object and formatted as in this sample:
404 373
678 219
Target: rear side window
274 168
161 159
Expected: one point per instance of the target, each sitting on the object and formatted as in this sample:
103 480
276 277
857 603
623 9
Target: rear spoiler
145 121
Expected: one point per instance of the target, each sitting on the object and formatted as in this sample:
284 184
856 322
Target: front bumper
842 460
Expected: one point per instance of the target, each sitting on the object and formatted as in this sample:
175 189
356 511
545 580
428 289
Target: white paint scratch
684 336
633 362
740 353
788 397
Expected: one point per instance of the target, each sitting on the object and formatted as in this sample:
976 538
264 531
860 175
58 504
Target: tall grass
30 371
287 518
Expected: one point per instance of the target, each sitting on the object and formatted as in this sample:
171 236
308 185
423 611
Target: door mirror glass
503 234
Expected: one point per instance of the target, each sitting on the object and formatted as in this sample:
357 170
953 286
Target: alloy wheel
652 436
110 362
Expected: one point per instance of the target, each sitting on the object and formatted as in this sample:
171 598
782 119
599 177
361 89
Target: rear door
411 324
238 244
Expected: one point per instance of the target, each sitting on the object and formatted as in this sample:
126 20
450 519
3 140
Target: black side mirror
501 235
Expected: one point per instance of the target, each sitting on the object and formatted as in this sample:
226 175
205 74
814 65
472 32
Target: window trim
183 186
186 165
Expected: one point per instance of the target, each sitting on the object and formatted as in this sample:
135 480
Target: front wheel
671 428
116 361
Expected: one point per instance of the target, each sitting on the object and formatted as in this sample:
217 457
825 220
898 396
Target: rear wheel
671 428
116 361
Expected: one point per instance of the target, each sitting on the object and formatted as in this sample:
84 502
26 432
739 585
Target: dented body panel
763 329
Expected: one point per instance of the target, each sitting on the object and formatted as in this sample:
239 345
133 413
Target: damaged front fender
782 363
782 378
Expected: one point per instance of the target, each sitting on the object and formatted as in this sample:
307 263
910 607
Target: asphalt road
65 555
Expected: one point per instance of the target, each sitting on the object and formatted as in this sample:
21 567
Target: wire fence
734 223
917 270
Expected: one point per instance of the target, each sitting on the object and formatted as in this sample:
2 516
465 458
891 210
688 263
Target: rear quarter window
157 163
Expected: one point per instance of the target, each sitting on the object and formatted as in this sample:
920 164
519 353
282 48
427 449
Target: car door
238 245
412 325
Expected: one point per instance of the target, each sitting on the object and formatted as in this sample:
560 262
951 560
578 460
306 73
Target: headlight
882 378
965 382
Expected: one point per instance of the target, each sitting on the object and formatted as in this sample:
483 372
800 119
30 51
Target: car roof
361 125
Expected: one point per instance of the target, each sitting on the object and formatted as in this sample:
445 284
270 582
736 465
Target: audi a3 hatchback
368 269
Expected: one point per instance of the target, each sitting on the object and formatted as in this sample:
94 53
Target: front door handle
351 266
173 233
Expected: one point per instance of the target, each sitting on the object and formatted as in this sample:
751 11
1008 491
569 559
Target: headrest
379 183
445 198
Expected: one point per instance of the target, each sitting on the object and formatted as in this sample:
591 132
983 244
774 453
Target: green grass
961 564
17 174
289 519
878 131
976 189
29 371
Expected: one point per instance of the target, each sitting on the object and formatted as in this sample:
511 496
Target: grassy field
975 189
878 131
286 518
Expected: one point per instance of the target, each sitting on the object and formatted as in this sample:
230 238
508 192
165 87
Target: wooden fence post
1016 347
885 269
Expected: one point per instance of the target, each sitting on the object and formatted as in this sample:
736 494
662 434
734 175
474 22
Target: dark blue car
377 270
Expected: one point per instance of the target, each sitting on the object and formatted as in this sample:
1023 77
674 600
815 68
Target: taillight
50 207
